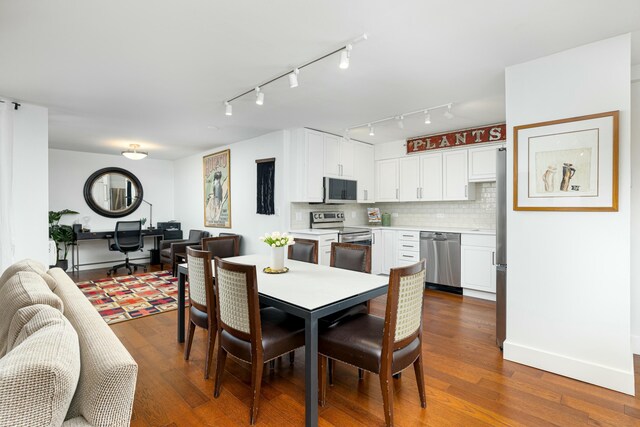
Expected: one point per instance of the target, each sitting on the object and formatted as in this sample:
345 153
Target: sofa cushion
39 373
21 290
28 265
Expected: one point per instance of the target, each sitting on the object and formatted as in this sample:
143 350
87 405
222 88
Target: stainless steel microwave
340 190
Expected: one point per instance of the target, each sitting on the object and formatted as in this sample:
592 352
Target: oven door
356 238
340 190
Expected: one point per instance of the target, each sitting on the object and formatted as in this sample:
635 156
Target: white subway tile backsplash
479 213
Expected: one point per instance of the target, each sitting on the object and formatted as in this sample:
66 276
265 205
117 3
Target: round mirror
113 192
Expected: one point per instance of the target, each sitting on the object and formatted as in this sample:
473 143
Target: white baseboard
603 376
479 294
635 344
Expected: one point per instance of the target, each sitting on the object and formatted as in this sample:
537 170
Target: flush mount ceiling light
133 153
292 75
293 78
400 118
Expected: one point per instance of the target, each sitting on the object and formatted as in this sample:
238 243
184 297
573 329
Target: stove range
335 220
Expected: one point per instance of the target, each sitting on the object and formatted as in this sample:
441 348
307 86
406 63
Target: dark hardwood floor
467 381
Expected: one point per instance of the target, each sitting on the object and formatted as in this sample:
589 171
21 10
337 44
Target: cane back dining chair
201 302
247 333
382 346
305 250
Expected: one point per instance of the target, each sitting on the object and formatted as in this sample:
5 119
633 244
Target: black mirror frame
100 211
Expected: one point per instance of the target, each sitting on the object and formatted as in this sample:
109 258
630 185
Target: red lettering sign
493 133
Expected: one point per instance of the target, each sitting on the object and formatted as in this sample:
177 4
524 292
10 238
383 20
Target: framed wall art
216 174
567 165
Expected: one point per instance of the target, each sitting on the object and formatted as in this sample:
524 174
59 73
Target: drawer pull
408 256
407 246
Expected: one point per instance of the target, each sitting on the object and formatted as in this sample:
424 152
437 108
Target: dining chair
127 238
222 246
384 346
201 303
247 333
304 250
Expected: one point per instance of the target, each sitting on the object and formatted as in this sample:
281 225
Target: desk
105 235
309 291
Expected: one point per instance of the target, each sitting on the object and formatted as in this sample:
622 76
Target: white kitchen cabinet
407 247
377 252
455 176
387 185
482 164
409 179
338 157
389 247
307 166
478 269
431 177
364 170
324 244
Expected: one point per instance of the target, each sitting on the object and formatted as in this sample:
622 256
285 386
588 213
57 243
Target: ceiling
156 72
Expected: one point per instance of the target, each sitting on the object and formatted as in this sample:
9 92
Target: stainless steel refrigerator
501 246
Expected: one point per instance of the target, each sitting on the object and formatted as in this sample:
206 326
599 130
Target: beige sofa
60 364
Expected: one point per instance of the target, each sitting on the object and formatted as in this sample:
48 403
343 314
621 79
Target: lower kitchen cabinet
478 269
377 252
390 256
324 244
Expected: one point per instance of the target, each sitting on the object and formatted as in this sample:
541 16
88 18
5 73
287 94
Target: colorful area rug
122 298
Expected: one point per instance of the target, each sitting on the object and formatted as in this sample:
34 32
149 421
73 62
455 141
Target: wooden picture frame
216 180
567 165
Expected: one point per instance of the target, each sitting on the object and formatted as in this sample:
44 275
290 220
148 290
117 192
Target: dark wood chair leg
387 397
187 348
222 357
211 343
331 366
417 366
360 374
292 357
256 382
322 380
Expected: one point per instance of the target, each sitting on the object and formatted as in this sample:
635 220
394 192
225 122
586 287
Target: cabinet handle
373 239
330 240
493 257
397 193
407 256
366 196
407 246
421 192
418 193
465 191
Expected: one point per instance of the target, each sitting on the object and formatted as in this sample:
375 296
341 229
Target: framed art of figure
567 165
216 174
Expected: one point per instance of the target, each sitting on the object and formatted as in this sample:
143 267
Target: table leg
182 278
311 372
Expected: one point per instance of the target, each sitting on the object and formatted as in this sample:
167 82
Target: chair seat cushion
358 342
281 333
200 318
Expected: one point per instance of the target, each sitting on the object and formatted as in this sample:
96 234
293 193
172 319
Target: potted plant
62 235
277 242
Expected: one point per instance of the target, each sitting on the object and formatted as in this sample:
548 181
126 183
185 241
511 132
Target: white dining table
309 291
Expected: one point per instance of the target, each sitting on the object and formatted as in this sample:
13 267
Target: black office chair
128 238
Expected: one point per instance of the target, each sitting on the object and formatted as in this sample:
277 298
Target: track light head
400 121
427 117
344 57
448 114
259 96
228 109
293 78
371 132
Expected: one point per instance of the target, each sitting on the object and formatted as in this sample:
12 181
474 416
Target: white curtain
6 185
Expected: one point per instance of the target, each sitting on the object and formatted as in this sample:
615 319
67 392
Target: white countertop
314 231
461 230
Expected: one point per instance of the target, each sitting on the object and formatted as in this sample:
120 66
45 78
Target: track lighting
344 57
371 132
427 117
259 96
293 78
400 121
344 51
448 114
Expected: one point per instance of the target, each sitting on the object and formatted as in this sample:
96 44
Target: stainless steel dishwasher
442 251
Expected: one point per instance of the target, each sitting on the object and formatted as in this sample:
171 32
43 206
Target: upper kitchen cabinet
307 165
364 171
482 164
455 176
409 177
431 177
338 157
387 186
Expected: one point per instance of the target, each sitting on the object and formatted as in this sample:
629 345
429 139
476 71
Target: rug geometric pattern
122 298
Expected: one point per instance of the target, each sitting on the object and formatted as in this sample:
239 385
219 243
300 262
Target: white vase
277 258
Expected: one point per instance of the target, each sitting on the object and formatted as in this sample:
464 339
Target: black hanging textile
265 186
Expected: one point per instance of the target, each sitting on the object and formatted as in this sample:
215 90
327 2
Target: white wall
635 208
68 172
30 190
568 298
189 193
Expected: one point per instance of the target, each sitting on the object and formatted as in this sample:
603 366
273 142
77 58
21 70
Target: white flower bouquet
277 240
